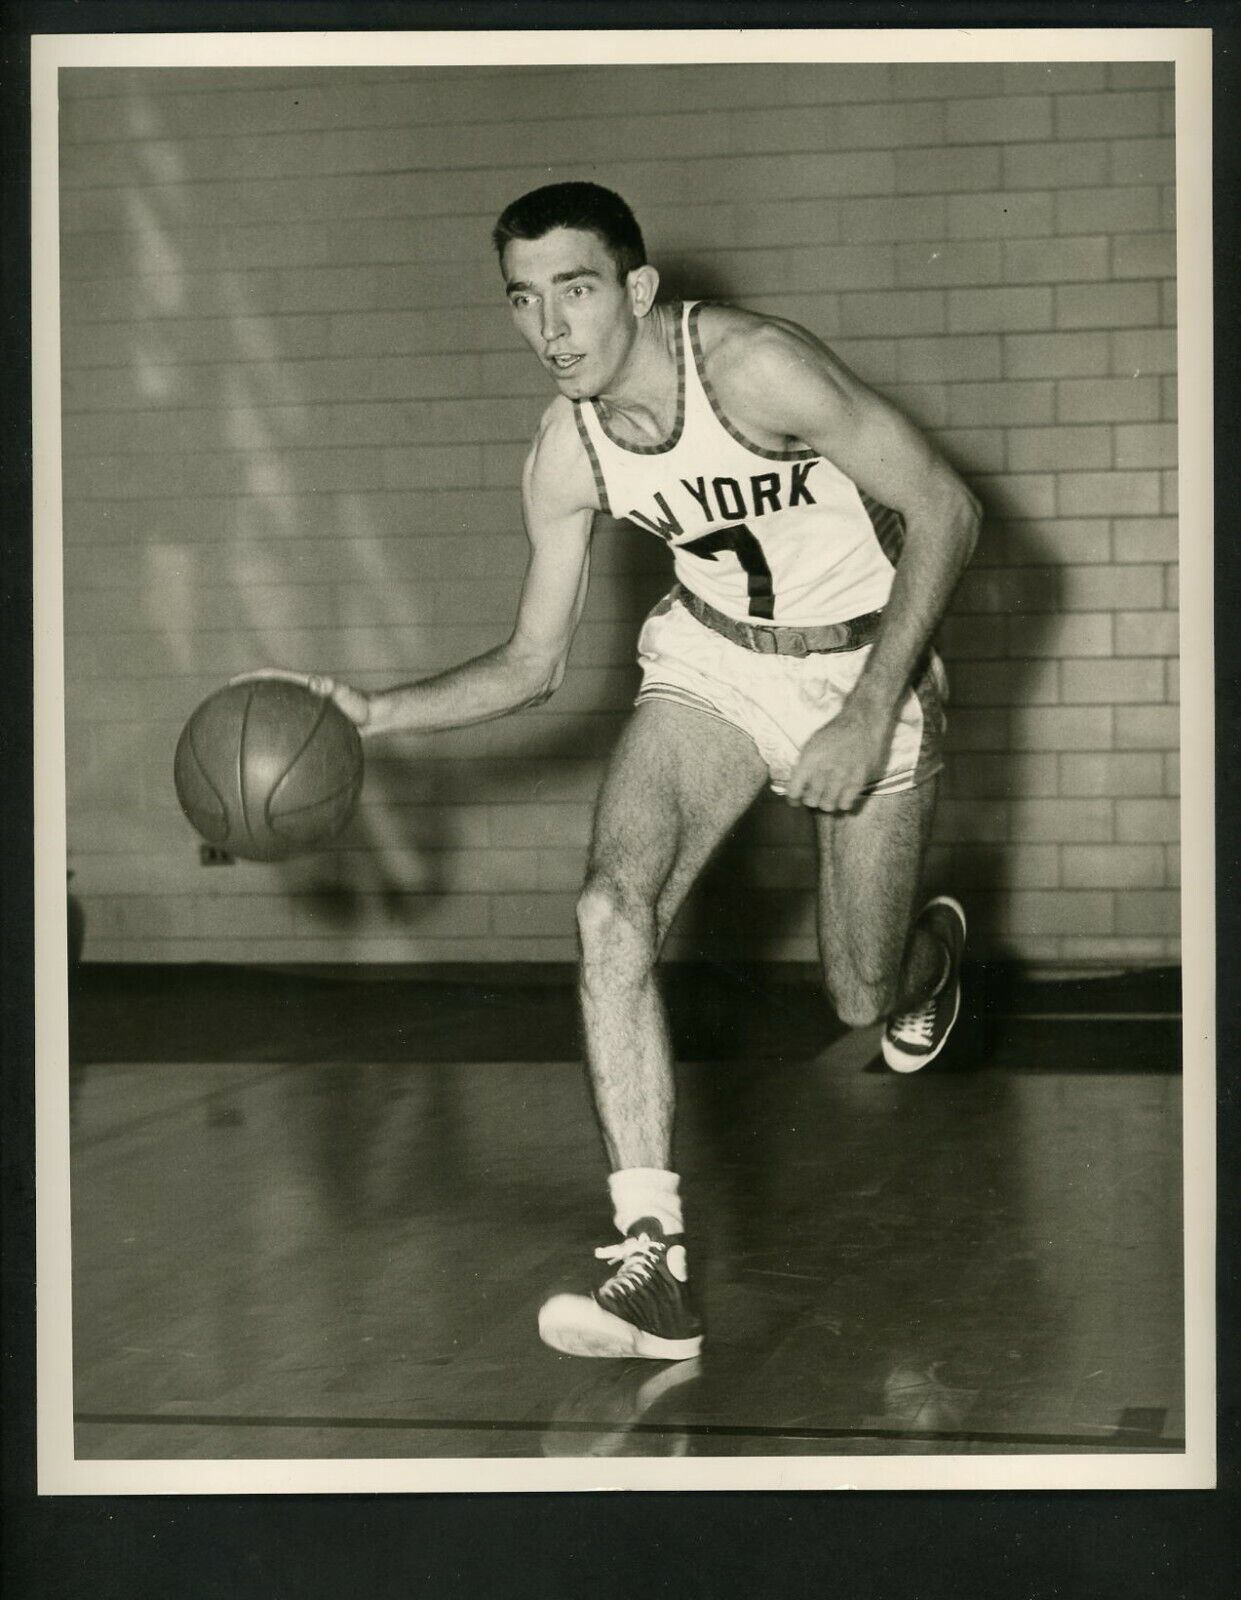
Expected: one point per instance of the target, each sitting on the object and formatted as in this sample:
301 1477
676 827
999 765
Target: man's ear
642 284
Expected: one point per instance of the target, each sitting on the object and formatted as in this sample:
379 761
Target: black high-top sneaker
643 1309
916 1037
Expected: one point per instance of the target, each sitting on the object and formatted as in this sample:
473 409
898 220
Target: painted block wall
295 412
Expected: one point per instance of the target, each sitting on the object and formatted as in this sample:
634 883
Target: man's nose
553 323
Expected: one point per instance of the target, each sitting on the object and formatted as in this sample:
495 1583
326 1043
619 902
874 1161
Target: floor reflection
920 1399
988 1261
622 1408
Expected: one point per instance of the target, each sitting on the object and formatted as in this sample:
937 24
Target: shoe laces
915 1027
637 1257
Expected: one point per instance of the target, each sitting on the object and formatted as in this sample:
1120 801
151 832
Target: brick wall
295 412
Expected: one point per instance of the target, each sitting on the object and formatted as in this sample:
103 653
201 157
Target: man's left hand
839 761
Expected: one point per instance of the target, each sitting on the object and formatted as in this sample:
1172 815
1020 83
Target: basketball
267 770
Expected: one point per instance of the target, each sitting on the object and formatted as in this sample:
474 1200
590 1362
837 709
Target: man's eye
580 289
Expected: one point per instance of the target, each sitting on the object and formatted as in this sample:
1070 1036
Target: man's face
570 308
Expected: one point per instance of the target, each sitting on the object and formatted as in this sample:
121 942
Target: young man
816 538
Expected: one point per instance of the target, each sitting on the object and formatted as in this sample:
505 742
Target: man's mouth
564 363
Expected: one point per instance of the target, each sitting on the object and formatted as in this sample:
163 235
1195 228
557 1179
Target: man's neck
644 395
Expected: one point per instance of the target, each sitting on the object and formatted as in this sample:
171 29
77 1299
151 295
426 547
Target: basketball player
816 538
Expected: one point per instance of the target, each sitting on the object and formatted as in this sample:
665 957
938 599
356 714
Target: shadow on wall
228 363
684 279
1013 584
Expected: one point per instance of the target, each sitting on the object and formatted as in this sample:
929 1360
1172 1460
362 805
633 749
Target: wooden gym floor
315 1211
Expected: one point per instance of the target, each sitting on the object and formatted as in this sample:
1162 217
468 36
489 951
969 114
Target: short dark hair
588 206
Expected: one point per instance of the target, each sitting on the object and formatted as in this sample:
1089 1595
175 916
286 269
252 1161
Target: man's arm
786 382
557 495
529 665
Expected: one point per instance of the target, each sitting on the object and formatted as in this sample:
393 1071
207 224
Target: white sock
646 1192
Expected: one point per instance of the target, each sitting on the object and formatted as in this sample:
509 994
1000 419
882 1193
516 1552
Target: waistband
772 639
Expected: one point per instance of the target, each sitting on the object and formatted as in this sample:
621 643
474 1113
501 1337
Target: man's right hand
355 703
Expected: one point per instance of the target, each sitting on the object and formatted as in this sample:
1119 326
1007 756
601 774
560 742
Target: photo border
60 1474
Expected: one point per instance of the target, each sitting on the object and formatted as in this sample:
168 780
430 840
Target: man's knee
859 1003
615 925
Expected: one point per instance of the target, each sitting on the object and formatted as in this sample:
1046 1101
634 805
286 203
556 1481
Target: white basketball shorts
779 701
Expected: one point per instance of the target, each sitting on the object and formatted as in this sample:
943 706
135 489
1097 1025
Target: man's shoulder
557 439
558 424
557 467
734 331
760 370
742 349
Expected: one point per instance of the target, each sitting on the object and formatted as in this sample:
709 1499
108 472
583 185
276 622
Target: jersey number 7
741 541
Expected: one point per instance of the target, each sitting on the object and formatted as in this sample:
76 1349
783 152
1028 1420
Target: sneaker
642 1310
916 1037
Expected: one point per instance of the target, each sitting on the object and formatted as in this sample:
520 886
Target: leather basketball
267 770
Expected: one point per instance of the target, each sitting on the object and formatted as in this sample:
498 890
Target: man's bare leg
876 960
677 783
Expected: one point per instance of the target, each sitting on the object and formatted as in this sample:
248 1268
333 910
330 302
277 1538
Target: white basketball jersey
763 535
